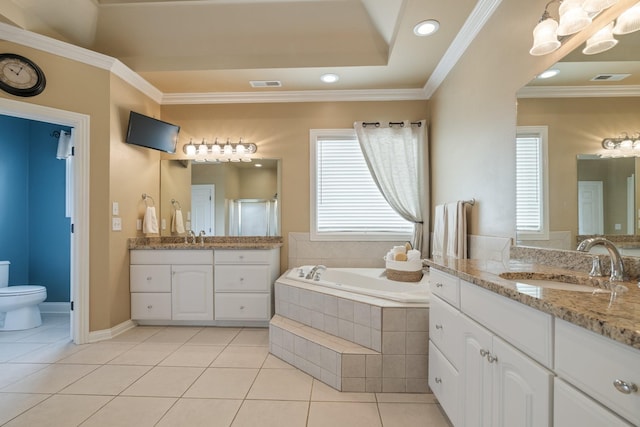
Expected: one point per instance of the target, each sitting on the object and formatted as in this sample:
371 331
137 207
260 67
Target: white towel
177 223
150 221
413 255
64 145
439 232
456 230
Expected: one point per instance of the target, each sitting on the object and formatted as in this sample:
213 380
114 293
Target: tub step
341 364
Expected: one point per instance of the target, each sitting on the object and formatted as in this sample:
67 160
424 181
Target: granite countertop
210 242
616 317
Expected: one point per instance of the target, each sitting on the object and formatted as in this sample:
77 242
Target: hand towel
456 230
439 232
177 223
150 221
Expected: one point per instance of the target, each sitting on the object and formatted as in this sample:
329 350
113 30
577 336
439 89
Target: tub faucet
617 267
314 274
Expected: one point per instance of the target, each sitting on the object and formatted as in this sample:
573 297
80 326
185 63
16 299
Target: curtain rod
401 124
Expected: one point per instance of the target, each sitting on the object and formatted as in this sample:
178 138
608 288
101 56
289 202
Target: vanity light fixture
218 153
426 28
545 34
624 145
329 78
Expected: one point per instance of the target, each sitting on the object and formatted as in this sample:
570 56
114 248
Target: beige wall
473 114
575 126
282 131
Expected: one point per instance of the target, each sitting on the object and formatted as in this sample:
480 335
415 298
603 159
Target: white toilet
19 304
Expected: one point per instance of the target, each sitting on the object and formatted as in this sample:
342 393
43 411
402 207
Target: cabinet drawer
444 329
242 256
151 306
523 327
242 307
235 278
572 408
445 286
177 256
444 381
592 363
150 278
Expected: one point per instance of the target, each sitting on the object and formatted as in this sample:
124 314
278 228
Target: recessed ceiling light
426 28
329 78
548 74
258 165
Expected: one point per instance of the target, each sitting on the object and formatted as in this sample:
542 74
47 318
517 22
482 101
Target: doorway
202 208
79 207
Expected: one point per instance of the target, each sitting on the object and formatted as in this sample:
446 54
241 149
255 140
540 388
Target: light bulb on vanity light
628 21
573 17
601 41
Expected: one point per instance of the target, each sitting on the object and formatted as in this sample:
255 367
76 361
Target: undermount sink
527 282
552 284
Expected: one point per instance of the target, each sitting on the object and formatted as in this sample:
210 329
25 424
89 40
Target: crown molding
472 26
578 91
294 96
80 54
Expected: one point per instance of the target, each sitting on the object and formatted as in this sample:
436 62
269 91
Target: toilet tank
4 274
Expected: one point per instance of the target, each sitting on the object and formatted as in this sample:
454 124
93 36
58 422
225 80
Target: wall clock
20 76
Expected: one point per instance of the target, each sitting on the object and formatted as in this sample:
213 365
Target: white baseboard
106 334
55 307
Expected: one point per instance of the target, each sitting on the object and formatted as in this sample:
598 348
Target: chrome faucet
201 236
617 267
193 236
314 274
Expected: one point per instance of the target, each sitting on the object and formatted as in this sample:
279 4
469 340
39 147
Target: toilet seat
12 291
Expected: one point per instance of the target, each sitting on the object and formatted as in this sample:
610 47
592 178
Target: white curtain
397 158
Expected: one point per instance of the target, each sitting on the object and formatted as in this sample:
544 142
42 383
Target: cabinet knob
241 256
242 279
625 387
149 278
242 307
439 285
491 358
438 326
149 307
483 352
438 380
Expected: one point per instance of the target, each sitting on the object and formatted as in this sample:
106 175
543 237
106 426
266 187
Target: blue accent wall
37 232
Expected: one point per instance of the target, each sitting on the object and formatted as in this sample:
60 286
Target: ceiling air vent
266 83
609 77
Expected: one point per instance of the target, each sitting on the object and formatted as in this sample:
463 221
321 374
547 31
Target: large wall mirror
221 199
592 97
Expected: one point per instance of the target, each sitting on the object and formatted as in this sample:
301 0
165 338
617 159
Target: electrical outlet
116 224
163 224
115 209
138 224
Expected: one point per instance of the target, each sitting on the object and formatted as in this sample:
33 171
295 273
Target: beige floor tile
177 334
164 381
270 413
12 372
223 383
51 379
108 380
60 410
323 393
241 357
137 334
252 336
281 384
273 362
145 354
51 353
124 411
16 350
214 336
323 414
411 415
193 355
98 353
406 397
13 404
201 413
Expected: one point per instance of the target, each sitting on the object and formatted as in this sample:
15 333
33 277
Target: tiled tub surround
351 342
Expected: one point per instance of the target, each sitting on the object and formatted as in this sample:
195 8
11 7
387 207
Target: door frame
79 280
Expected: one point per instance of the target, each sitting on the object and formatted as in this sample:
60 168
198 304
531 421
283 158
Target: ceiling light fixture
329 78
218 153
426 28
549 73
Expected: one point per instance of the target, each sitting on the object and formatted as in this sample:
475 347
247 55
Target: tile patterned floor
180 376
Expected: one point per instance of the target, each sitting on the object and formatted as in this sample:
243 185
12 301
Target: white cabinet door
192 292
521 389
476 371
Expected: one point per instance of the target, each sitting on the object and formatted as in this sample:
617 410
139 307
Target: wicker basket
404 276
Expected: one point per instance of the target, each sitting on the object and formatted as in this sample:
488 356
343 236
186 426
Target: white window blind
531 206
347 200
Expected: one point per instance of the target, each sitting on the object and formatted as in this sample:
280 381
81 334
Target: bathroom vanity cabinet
203 287
497 362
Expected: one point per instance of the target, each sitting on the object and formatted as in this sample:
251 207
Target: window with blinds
531 183
346 203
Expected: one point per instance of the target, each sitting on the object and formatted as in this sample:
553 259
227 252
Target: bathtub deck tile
345 309
362 314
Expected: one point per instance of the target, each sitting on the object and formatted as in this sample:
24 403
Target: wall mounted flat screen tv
152 133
